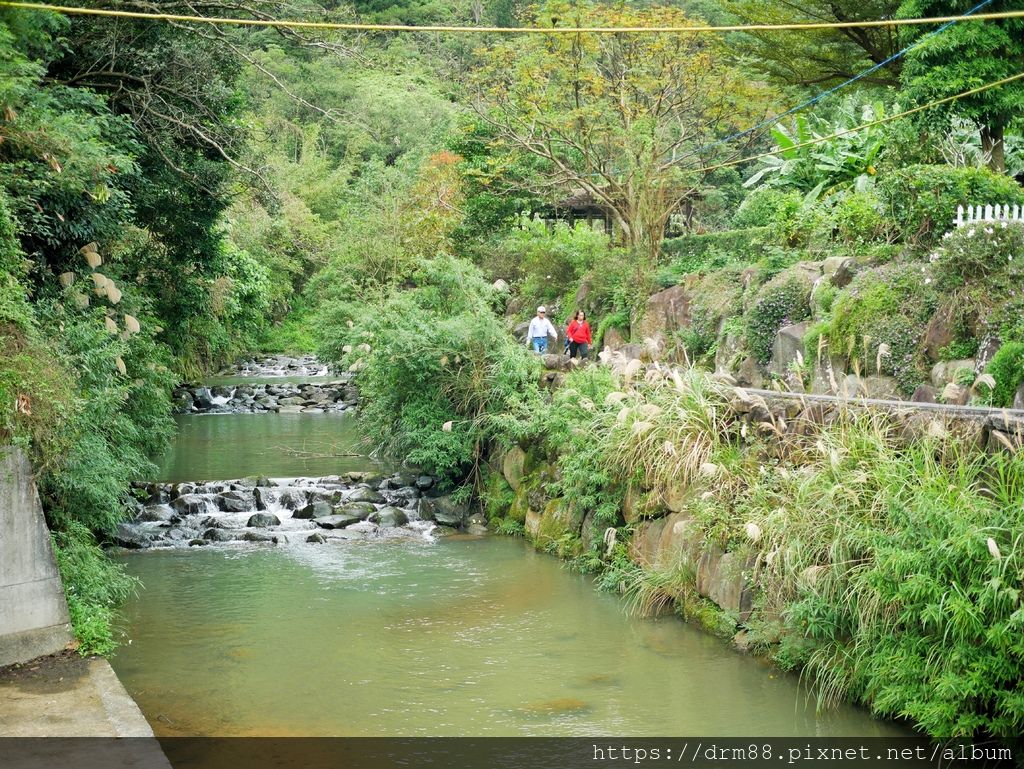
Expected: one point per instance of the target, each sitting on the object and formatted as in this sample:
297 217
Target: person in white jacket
540 330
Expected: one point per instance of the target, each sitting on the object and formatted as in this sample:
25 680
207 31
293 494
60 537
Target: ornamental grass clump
668 434
896 571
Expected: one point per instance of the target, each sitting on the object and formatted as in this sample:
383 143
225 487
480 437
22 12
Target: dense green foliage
437 369
246 190
882 572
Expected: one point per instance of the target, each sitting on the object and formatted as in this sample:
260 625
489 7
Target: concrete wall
33 612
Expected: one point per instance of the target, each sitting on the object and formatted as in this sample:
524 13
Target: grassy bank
888 572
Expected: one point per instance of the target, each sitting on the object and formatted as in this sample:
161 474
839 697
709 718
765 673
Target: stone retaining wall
665 536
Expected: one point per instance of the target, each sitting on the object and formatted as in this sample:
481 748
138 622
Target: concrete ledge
67 696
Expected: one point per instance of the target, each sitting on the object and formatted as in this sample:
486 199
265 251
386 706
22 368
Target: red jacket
579 332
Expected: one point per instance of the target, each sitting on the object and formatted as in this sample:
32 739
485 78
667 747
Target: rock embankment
353 506
285 398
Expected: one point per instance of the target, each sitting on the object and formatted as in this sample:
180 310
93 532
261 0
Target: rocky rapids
354 506
278 365
284 398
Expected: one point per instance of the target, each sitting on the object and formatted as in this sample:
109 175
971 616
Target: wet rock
202 399
316 538
263 482
156 513
389 517
263 520
292 499
361 510
409 493
264 498
258 536
236 501
316 509
197 543
178 489
217 535
181 401
365 495
131 538
191 504
330 496
443 511
337 521
424 482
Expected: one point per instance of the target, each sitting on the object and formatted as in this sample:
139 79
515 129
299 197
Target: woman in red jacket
578 335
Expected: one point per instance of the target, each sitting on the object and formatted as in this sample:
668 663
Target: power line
361 27
870 124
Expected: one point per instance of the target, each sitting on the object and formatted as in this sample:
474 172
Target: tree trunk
993 147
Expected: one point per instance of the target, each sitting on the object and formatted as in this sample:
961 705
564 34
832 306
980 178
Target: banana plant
809 159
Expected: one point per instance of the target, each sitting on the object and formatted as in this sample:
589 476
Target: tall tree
818 57
625 118
966 56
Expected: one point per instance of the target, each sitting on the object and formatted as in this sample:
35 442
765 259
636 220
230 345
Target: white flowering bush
991 251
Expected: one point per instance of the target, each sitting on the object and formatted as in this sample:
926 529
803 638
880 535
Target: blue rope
815 99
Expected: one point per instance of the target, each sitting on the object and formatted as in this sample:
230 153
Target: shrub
552 258
782 301
859 217
989 252
439 373
1007 368
888 305
922 200
695 253
767 207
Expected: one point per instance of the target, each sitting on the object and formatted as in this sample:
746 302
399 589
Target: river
412 636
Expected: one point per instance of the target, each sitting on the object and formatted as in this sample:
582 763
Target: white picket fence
989 213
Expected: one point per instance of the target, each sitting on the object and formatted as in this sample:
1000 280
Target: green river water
460 636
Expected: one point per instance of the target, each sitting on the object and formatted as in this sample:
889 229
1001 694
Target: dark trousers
578 347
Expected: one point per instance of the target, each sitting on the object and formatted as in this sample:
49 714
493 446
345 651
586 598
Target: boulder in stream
443 511
131 538
337 521
191 504
361 510
217 535
315 509
389 517
365 495
259 536
263 520
236 501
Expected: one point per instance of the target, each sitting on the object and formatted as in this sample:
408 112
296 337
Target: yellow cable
879 121
505 30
